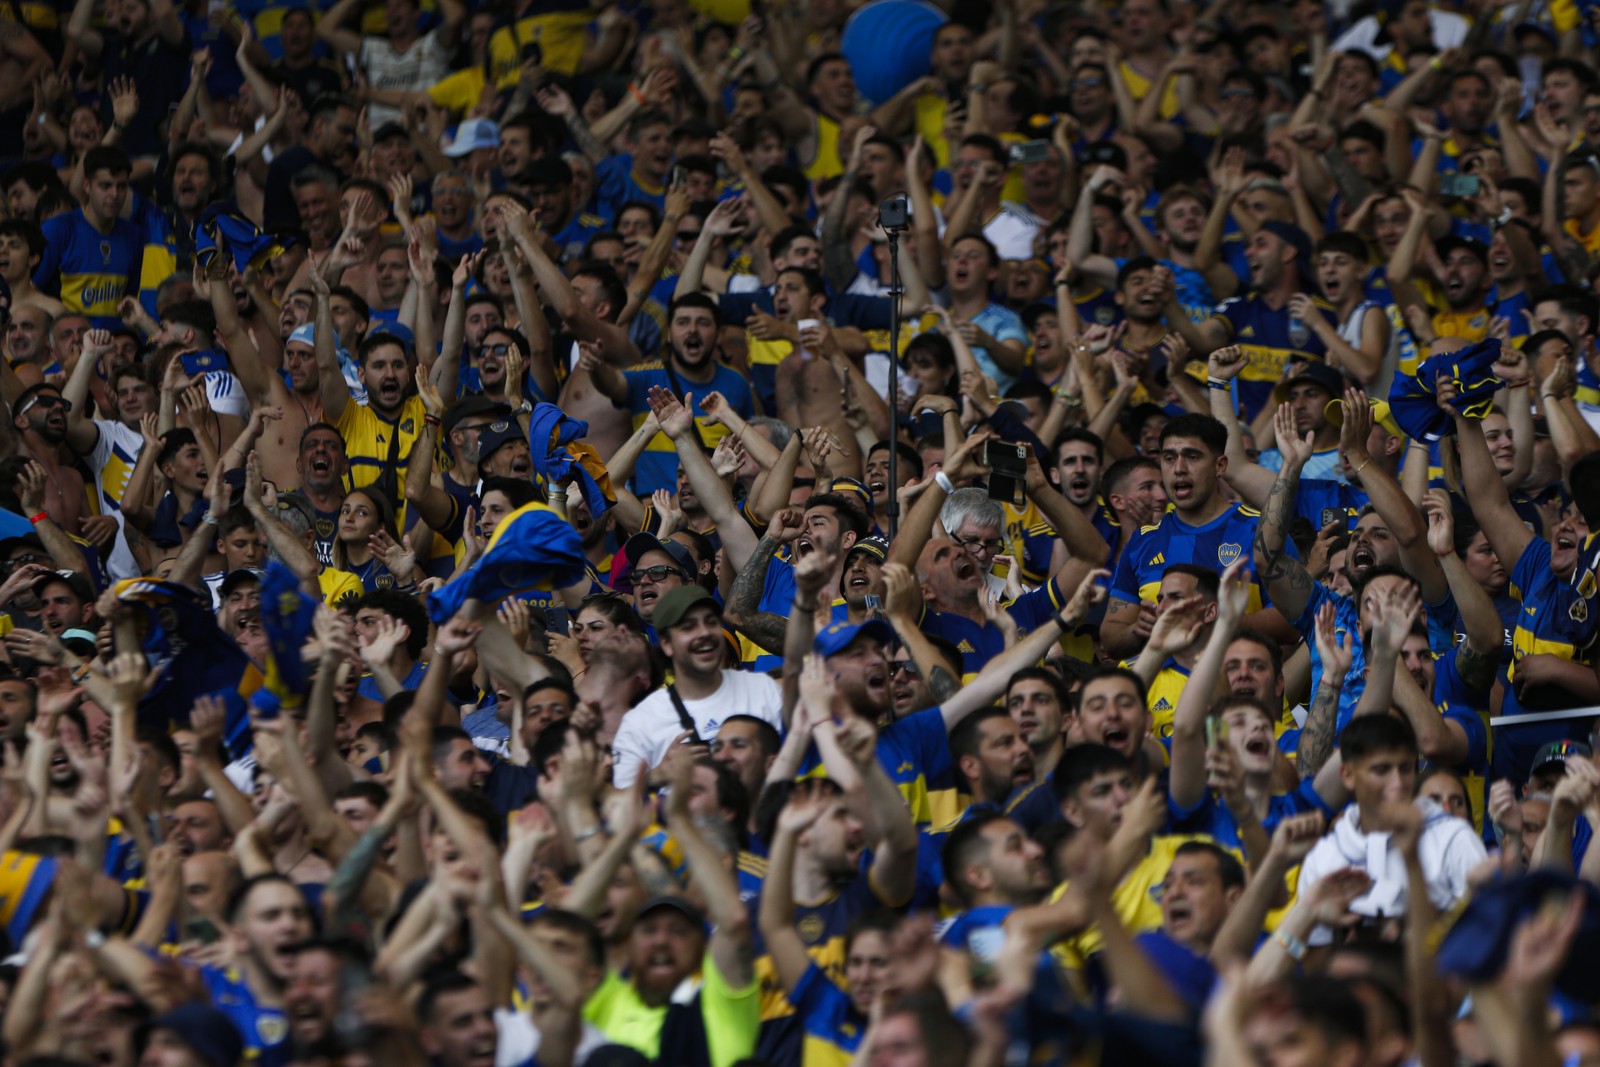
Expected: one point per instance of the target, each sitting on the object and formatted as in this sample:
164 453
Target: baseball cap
496 434
388 130
79 584
397 330
547 171
472 407
1558 752
206 1031
876 547
1294 237
681 905
841 635
676 603
1381 414
472 135
78 641
1450 243
851 488
236 578
1318 374
640 543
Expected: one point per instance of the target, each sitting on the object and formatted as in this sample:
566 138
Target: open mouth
1362 556
1078 483
1333 287
1179 912
803 547
1566 541
1257 746
704 647
646 596
1455 286
877 487
1182 489
1115 737
859 581
965 571
321 465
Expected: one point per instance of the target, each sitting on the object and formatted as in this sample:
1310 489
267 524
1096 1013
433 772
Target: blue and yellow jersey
113 457
1376 289
833 1028
1346 621
915 752
559 27
658 466
25 881
1469 707
1471 324
1271 338
1590 241
1162 698
89 271
1140 87
370 440
1218 543
265 1030
617 184
751 872
822 927
980 642
764 357
576 235
828 161
162 249
1555 618
1212 818
1137 899
1323 500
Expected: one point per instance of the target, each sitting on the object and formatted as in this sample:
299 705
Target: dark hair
1048 677
1203 428
28 231
767 735
788 236
907 454
372 792
1206 579
1109 670
965 739
1330 1005
439 985
1079 433
812 278
874 920
1359 586
241 893
1119 471
106 157
572 923
519 492
161 744
1228 867
1350 244
402 608
615 609
616 291
359 304
1573 300
1581 71
851 518
776 795
962 846
1082 764
174 441
731 793
1274 652
1366 734
696 300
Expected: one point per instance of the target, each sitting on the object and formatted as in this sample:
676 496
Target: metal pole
893 216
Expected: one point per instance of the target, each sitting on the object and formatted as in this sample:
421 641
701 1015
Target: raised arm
1187 780
1399 514
330 376
776 916
1287 582
730 922
738 539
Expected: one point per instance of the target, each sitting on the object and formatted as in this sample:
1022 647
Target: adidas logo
1248 331
1162 705
1160 558
965 646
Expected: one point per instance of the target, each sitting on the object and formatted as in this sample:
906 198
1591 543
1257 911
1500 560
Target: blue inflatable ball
887 43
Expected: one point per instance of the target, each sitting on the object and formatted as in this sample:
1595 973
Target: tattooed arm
744 599
1288 583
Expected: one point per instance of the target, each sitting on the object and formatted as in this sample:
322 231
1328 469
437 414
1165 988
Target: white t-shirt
646 732
115 453
413 70
1449 849
1011 233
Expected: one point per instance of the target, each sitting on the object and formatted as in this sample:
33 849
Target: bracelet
1503 218
1221 384
637 95
432 420
37 519
1363 466
1295 947
1062 621
210 518
736 53
976 87
583 835
942 480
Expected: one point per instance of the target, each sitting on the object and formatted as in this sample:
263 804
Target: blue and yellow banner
533 548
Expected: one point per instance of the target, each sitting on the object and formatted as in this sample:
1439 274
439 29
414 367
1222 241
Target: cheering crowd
872 534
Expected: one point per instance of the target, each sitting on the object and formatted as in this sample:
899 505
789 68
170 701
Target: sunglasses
656 574
495 350
48 402
903 666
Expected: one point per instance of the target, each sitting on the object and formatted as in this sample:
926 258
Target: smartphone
679 176
533 52
1459 185
874 605
995 580
1216 731
1030 152
201 930
1008 471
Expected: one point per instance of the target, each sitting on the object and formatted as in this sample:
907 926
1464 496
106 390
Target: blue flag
181 638
286 616
1414 402
553 442
532 548
248 244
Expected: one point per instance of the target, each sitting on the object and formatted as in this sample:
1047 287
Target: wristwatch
525 408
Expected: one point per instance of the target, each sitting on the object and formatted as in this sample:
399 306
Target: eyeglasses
1091 82
494 350
44 400
903 666
686 237
978 546
656 574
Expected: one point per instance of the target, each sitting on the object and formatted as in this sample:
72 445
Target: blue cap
398 330
498 433
841 635
207 1032
305 333
1479 940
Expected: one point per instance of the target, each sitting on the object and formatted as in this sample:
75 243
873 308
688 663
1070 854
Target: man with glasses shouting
39 418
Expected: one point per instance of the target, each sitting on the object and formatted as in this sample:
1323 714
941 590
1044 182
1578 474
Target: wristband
637 95
1221 384
94 939
1363 466
1503 218
942 480
37 519
210 518
583 835
1295 947
432 420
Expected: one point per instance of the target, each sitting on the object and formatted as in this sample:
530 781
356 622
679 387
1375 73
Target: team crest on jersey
384 581
1586 585
408 426
1248 331
1299 333
1579 611
1227 553
272 1029
105 251
1104 315
324 528
811 928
